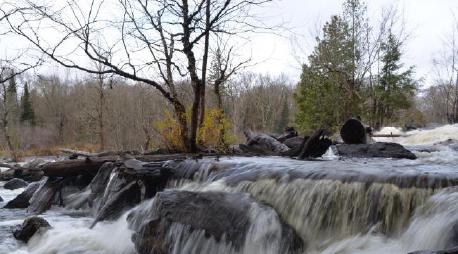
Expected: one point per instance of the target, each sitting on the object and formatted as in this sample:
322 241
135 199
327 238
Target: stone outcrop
219 215
375 150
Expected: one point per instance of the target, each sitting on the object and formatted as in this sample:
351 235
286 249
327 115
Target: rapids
335 206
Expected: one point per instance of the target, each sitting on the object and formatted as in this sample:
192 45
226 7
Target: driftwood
315 146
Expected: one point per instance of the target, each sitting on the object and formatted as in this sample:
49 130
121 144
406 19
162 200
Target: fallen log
76 167
91 165
76 153
353 132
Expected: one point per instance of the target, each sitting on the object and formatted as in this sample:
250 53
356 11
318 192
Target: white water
330 214
420 137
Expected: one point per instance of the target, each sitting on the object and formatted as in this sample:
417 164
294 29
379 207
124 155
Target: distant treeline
94 114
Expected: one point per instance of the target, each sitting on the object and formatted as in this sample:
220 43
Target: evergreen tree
324 97
27 115
284 115
396 88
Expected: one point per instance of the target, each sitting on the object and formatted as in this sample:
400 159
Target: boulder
263 144
379 149
120 186
1 199
22 200
294 142
15 183
118 203
30 227
7 174
43 198
217 215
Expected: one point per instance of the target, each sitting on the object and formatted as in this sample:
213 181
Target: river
335 205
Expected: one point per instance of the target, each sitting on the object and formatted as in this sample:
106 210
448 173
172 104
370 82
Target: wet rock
43 198
379 149
15 183
30 227
453 250
262 144
22 200
118 203
288 133
7 175
120 186
1 199
295 142
217 214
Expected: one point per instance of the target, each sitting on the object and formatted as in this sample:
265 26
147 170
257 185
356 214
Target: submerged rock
30 227
22 200
15 183
1 199
209 221
379 149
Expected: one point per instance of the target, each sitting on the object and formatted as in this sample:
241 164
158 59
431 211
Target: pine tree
324 97
28 114
395 89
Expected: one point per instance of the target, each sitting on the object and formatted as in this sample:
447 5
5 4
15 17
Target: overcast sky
427 21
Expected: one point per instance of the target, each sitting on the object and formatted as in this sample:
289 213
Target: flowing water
335 205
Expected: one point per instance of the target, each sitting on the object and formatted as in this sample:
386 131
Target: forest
162 74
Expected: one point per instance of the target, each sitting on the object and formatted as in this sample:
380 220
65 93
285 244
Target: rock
289 132
7 175
379 149
453 250
30 227
42 199
118 203
214 214
22 200
353 132
35 163
1 199
120 186
315 146
263 144
15 183
294 142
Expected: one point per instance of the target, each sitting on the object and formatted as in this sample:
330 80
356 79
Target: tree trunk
195 118
180 113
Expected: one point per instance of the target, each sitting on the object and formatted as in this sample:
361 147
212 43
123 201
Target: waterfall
238 205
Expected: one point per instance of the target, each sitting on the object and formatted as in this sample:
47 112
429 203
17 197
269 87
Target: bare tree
152 41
